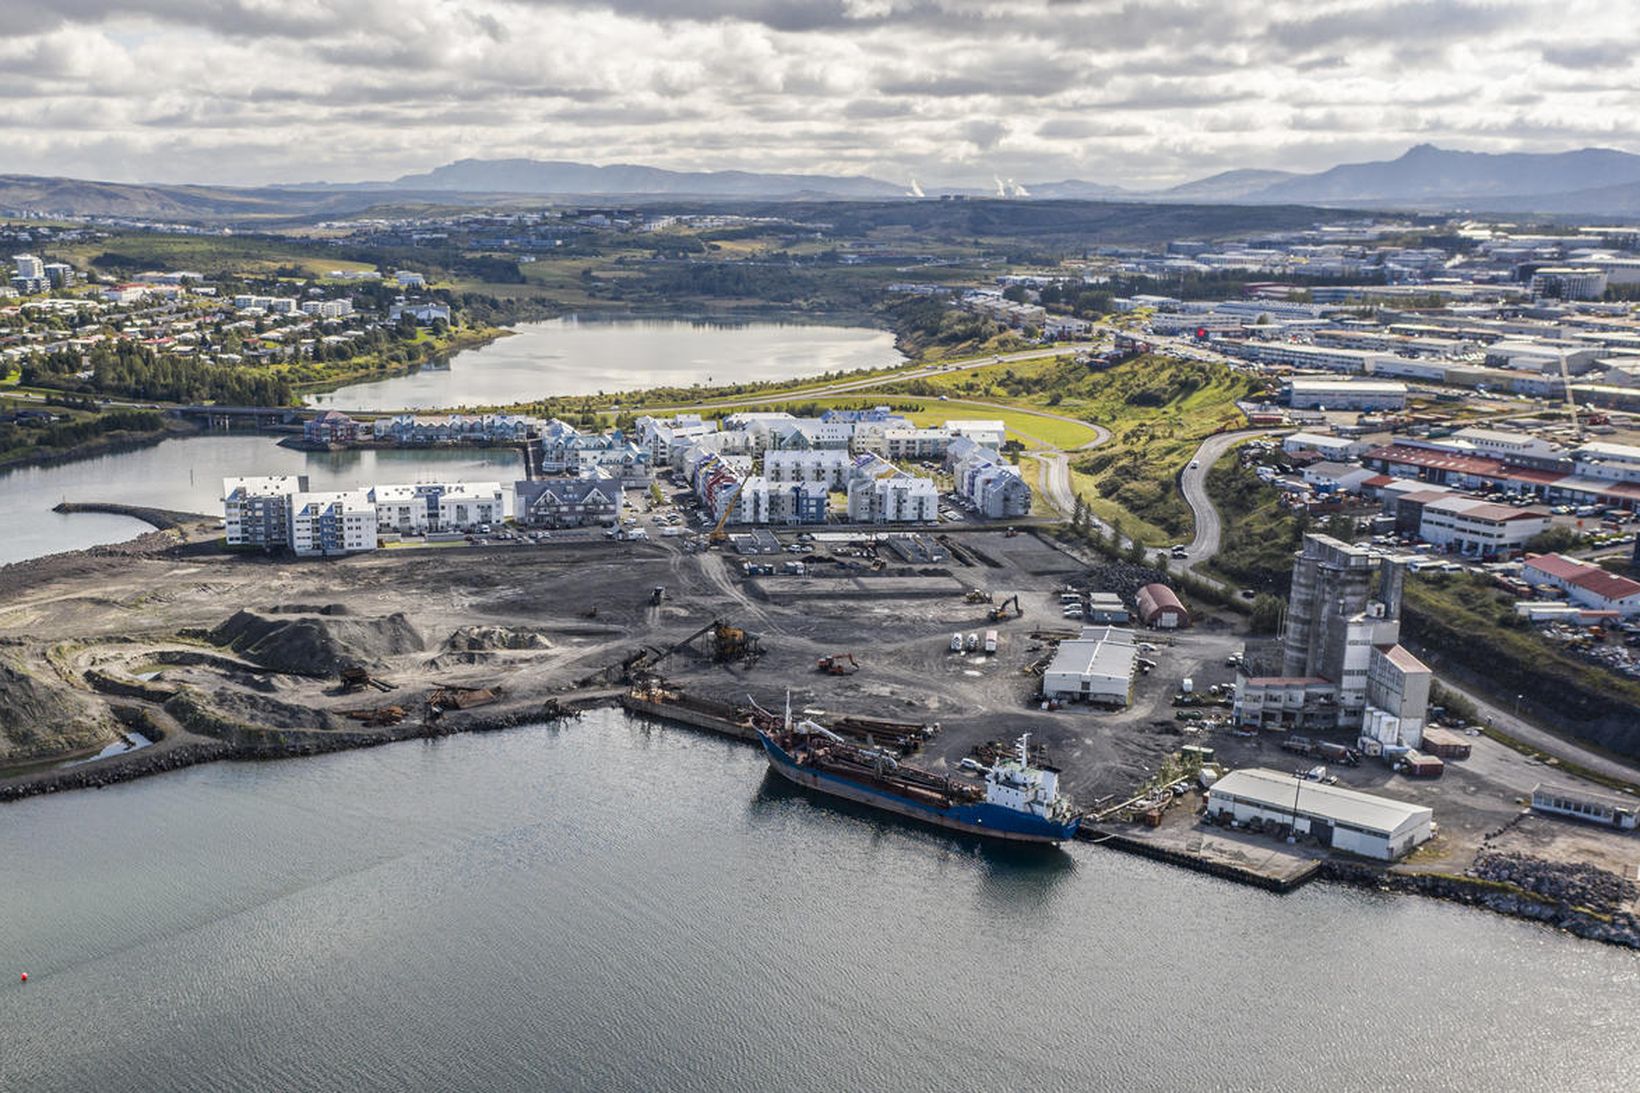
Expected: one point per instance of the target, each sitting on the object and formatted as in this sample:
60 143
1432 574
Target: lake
614 905
575 356
187 473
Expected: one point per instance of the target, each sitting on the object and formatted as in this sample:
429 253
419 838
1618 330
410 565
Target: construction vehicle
839 664
1011 533
733 643
657 594
976 595
718 534
356 677
1000 611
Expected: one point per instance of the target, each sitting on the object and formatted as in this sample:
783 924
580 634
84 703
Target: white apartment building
985 433
906 443
881 493
326 524
438 506
828 467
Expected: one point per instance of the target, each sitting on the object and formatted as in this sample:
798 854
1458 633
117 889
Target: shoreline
96 449
169 753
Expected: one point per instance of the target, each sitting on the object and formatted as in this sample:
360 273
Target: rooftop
1278 790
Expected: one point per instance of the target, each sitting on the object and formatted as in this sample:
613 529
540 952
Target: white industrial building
1096 667
1582 804
1311 394
985 433
1480 529
1345 819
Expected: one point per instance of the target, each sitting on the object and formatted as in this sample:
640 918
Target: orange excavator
839 664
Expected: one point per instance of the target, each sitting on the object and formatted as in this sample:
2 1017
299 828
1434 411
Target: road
1550 743
1193 482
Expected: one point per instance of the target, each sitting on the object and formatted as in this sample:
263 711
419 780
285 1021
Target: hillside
529 176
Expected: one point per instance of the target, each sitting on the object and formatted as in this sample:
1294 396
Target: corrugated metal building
1160 607
1345 819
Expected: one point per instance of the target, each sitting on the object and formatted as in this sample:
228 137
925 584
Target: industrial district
905 605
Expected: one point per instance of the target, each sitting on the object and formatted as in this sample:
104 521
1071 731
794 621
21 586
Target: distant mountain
1437 177
1075 189
1226 185
546 177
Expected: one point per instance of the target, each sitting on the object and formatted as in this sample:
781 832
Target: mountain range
1591 181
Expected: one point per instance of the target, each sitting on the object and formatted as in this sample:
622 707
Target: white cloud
1137 92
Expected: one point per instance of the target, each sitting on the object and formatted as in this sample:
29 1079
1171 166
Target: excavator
1000 611
839 664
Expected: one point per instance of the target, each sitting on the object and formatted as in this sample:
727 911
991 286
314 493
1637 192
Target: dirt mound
40 718
309 609
483 639
316 645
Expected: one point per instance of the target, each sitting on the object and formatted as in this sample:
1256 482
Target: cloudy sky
1133 92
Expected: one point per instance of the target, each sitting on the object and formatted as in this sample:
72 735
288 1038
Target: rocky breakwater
1581 899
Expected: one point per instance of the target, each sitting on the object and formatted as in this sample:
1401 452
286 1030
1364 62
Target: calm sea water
584 356
614 905
186 474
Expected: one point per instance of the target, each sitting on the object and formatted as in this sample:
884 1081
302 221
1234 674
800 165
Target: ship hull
986 820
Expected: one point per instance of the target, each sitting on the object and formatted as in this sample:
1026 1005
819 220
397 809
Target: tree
1266 614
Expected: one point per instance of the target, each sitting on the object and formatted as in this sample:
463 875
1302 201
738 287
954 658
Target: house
567 502
987 434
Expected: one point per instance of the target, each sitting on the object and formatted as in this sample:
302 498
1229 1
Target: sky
1141 93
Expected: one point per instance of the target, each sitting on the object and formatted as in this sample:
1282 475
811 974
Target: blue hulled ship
1013 801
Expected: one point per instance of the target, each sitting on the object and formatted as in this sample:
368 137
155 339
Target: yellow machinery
718 534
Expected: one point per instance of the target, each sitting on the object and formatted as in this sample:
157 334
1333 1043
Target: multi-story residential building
327 309
989 483
416 509
910 443
881 493
827 467
331 428
567 502
256 510
332 523
986 433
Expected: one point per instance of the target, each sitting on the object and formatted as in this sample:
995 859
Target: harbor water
576 356
186 474
619 905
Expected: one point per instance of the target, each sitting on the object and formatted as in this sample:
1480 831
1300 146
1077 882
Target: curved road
1193 483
